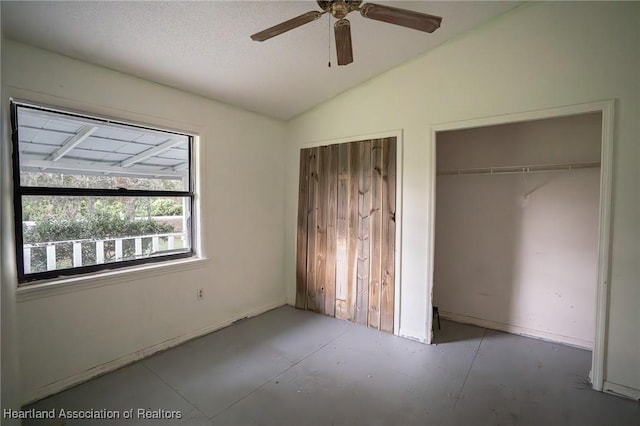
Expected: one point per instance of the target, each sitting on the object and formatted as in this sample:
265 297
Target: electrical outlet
200 294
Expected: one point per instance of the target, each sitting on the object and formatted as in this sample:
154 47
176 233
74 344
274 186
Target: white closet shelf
518 169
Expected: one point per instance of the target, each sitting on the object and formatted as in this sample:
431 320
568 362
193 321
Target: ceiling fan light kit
339 9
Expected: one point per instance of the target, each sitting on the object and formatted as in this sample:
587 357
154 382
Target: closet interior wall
517 227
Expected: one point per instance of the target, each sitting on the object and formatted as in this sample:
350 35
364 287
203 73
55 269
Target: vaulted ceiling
204 47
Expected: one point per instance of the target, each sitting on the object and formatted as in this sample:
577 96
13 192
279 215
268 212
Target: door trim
607 109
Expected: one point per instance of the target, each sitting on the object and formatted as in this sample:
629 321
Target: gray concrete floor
289 367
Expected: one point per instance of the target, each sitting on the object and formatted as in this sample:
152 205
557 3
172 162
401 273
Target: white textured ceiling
204 47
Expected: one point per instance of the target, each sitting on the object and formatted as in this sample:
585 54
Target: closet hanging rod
518 169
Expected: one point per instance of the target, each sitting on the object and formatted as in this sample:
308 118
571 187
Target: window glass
58 150
73 174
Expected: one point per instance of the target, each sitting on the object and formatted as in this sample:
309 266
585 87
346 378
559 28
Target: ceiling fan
341 8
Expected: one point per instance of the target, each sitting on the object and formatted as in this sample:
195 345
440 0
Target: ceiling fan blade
343 42
406 18
285 26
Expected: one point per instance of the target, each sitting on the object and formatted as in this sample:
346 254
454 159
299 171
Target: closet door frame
397 134
606 108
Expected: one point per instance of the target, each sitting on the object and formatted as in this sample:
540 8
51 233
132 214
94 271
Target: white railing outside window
160 244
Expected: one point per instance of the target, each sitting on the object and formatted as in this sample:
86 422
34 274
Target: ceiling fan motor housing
339 8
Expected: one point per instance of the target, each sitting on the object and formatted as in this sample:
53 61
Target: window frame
19 191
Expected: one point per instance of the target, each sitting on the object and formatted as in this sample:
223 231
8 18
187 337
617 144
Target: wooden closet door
345 254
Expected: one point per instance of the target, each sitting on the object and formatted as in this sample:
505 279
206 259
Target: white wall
519 252
9 365
540 55
63 335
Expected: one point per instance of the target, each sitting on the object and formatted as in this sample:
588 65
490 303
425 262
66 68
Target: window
93 194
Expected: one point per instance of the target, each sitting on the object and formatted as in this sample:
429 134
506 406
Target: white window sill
67 285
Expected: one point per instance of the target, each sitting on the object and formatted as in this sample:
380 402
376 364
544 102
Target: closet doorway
520 233
346 235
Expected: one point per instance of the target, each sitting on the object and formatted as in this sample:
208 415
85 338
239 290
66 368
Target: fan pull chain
329 45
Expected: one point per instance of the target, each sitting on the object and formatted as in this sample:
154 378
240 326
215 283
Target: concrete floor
289 367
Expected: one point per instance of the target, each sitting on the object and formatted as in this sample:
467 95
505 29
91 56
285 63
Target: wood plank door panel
375 224
301 242
312 223
331 226
387 291
342 232
345 249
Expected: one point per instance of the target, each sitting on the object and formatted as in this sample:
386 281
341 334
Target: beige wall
519 252
540 55
242 181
